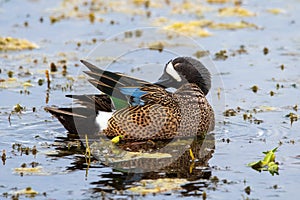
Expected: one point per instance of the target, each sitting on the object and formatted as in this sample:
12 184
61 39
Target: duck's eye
172 72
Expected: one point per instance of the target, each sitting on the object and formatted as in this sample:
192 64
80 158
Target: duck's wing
100 102
111 82
147 94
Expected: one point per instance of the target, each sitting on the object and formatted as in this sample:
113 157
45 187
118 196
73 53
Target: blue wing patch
135 94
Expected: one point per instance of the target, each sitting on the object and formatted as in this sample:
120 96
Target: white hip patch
102 119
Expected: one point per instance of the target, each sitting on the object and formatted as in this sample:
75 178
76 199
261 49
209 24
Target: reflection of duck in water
140 111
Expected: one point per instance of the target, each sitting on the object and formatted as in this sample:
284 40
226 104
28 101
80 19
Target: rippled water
64 173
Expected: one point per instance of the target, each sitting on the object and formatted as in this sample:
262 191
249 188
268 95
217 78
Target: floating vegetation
278 86
235 11
64 70
53 67
233 25
247 116
247 190
241 50
54 19
18 108
265 50
146 3
23 170
160 185
10 74
217 1
221 55
27 191
190 28
27 84
13 44
130 34
229 113
225 140
24 150
3 157
267 164
201 53
293 117
257 121
92 17
276 11
295 107
159 46
41 82
254 88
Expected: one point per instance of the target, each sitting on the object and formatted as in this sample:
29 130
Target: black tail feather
108 82
111 91
79 121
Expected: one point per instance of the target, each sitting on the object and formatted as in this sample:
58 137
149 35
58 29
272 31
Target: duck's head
184 70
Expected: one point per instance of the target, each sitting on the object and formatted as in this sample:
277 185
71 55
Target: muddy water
61 170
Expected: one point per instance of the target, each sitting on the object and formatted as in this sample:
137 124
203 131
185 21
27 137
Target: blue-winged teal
151 111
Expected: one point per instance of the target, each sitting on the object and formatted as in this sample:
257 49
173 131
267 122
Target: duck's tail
82 120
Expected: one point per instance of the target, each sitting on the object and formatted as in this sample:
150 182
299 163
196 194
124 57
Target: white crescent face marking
172 72
102 119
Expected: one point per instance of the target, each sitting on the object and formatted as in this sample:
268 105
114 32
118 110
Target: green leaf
273 150
256 164
273 168
267 164
270 157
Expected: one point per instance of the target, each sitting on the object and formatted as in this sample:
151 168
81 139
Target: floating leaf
256 165
267 164
270 156
273 168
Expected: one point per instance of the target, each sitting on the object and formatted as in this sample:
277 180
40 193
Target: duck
137 110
